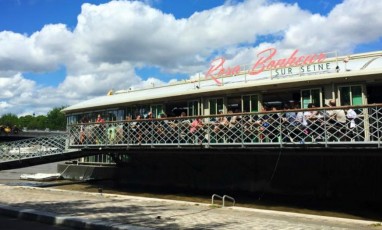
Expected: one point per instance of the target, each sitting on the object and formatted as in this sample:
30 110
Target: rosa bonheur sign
265 62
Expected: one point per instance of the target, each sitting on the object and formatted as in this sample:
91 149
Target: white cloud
350 23
15 86
40 52
112 39
4 105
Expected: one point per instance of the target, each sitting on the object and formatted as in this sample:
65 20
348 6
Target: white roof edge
189 88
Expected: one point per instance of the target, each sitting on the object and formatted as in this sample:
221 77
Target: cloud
349 24
42 51
15 86
110 40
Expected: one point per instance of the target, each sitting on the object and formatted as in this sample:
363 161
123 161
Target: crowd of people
271 125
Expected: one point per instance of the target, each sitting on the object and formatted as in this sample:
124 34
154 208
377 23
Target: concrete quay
84 210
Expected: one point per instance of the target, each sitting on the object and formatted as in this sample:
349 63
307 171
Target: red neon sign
265 62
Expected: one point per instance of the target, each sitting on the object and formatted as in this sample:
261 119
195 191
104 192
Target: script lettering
260 64
265 62
214 68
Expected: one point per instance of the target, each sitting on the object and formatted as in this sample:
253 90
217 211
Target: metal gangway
34 151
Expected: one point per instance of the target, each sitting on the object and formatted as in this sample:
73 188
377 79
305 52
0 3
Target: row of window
348 95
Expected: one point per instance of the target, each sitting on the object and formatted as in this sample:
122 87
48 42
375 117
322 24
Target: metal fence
32 148
359 125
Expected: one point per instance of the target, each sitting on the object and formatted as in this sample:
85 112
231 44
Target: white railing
279 128
32 148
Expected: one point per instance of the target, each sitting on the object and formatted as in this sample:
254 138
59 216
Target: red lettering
261 62
214 68
292 60
321 57
236 70
281 63
299 60
264 62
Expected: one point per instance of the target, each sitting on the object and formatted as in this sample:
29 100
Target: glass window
234 103
115 115
193 108
350 95
250 103
129 111
311 96
356 95
143 110
157 110
216 105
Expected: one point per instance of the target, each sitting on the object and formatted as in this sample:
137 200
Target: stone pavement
84 210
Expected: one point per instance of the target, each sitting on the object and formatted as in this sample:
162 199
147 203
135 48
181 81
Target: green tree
9 120
39 122
25 121
56 119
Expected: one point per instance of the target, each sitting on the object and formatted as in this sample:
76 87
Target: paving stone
109 211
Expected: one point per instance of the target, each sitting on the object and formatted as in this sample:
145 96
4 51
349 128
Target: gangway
34 151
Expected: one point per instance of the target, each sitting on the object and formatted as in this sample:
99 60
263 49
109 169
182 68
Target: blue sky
59 52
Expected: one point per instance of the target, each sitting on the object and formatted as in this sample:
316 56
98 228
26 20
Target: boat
41 176
319 159
351 81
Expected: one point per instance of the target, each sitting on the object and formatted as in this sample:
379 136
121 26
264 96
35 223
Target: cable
273 174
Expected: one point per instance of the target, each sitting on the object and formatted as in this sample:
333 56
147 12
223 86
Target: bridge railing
271 128
33 147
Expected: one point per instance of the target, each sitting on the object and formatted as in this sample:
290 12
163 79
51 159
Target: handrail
213 196
271 128
229 197
223 199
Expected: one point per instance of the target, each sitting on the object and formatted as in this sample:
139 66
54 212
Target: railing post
208 133
378 128
325 128
280 137
242 131
180 123
152 133
128 134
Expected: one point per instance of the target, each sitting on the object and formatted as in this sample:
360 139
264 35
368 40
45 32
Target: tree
25 121
9 120
56 119
38 122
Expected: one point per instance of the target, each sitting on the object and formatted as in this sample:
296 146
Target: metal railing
280 129
32 148
223 199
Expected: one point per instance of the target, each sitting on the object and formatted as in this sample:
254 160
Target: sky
56 53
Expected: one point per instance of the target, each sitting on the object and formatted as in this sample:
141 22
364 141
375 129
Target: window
250 103
114 115
157 110
311 96
234 103
193 108
216 105
141 110
350 95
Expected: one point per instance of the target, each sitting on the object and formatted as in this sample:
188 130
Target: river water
12 177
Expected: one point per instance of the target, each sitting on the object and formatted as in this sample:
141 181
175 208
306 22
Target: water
12 177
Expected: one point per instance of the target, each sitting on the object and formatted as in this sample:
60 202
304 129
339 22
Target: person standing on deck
336 116
100 129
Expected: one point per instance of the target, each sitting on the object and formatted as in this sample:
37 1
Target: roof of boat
358 65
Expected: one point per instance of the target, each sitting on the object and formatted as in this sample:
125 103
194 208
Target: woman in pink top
197 129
